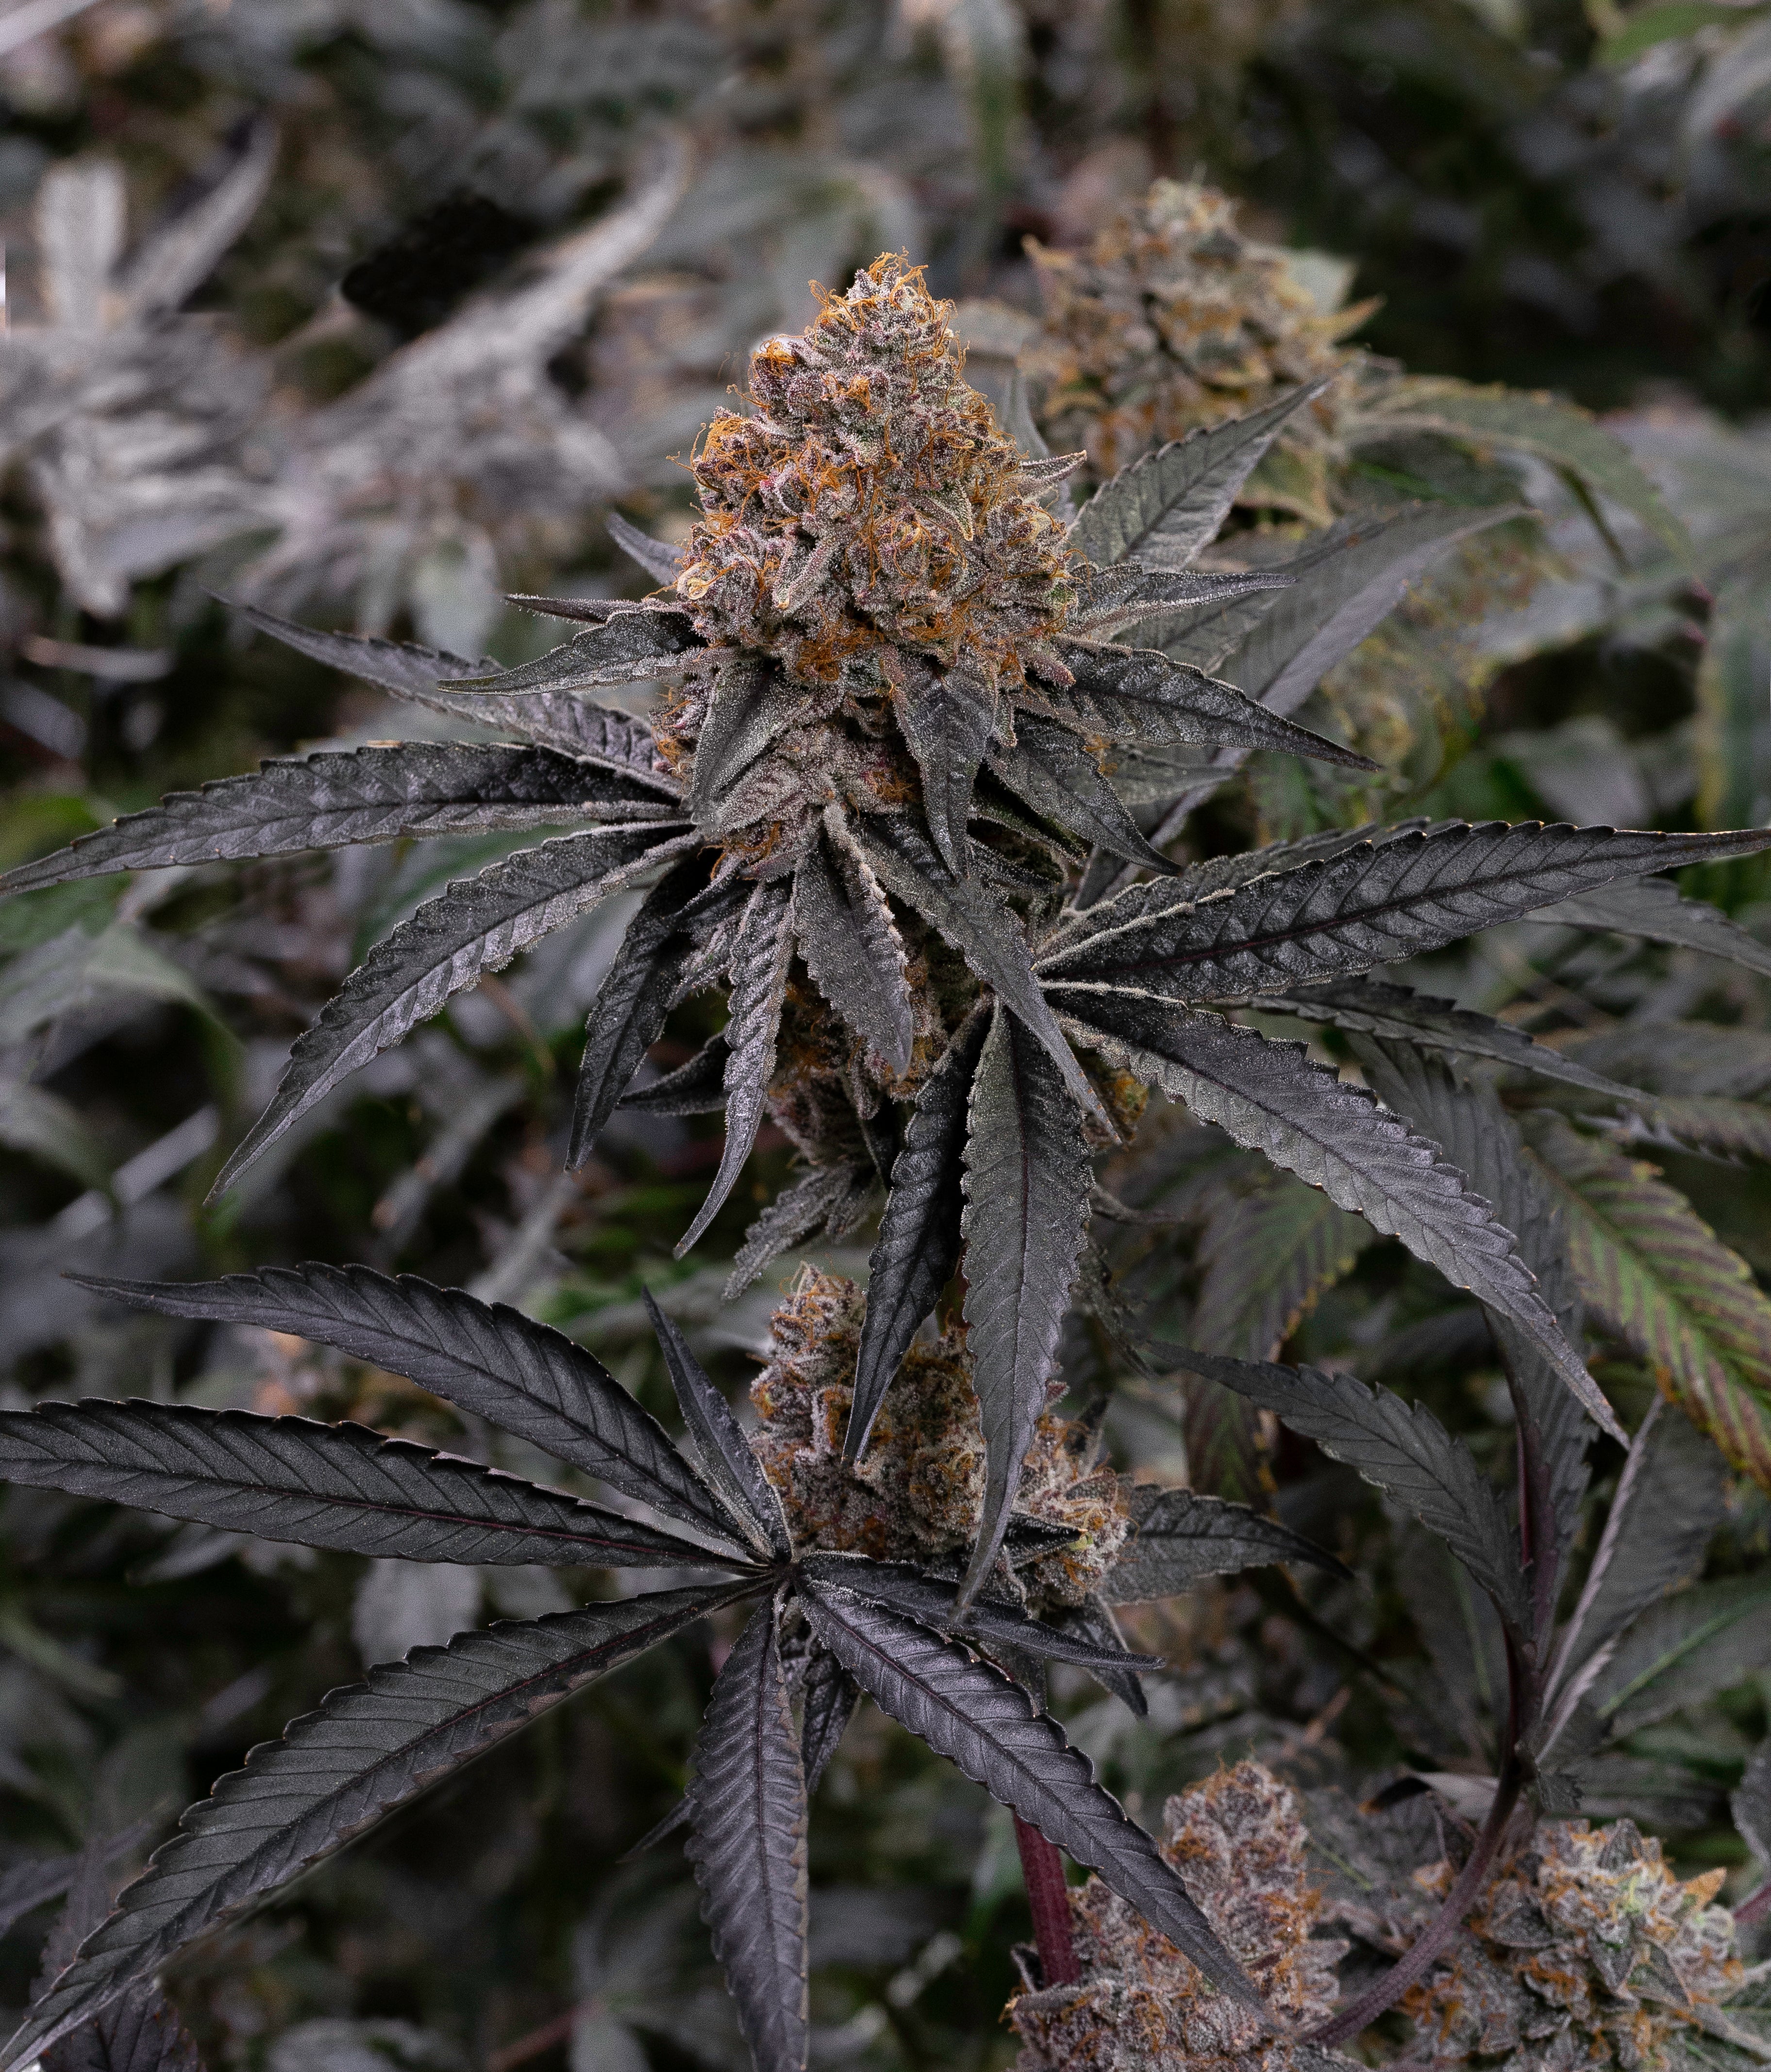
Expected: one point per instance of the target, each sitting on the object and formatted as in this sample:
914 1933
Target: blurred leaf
44 1125
1558 433
1661 1279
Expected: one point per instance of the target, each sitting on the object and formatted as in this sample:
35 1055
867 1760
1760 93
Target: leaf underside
1661 1279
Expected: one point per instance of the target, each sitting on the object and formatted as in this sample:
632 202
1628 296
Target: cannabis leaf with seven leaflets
826 1626
896 675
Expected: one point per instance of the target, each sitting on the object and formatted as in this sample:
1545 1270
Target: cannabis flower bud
1585 1950
917 1495
870 518
1174 319
1239 1846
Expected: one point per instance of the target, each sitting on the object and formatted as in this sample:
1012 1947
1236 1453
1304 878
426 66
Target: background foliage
372 309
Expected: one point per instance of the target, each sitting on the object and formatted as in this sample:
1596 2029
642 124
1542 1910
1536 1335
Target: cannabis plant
871 806
907 798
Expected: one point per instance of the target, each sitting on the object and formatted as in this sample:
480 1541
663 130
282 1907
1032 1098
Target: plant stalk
1048 1895
1358 2014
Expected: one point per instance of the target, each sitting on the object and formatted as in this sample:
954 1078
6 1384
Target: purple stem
1048 1896
1438 1931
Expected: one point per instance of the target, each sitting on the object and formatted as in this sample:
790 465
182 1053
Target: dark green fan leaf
918 1242
828 1695
1651 907
1055 774
475 928
1182 1538
1163 508
948 717
1405 1451
1666 1285
748 708
979 927
758 971
851 943
1347 581
935 1601
984 1722
726 1454
369 1748
401 666
140 2031
663 564
1669 1500
639 640
1376 902
583 611
1270 1097
597 734
1735 1128
1683 1650
747 1825
1026 1180
1269 1252
696 1088
1481 1140
1137 694
363 794
627 1016
1375 1007
1278 649
340 1485
1112 599
487 1358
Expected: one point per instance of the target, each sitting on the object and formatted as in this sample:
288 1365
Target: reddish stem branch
1360 2013
1755 1907
548 2036
1048 1896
